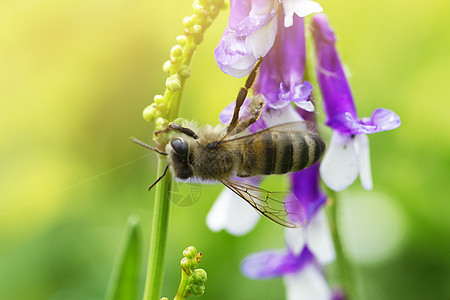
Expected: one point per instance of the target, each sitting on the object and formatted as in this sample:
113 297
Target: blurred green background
74 79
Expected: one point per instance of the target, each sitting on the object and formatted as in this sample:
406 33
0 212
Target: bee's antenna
135 140
159 178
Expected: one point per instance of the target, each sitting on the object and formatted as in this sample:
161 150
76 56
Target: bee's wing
300 127
281 207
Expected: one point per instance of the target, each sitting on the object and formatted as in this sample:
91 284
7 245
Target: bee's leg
242 95
179 128
255 107
159 178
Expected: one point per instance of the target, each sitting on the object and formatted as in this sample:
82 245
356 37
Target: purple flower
303 276
348 152
305 187
280 78
308 248
280 82
251 31
273 263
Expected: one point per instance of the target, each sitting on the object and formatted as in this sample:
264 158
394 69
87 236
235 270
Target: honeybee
222 152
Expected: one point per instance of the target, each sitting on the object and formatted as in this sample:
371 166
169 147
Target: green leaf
124 281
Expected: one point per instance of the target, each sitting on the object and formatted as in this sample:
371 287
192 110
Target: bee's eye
179 146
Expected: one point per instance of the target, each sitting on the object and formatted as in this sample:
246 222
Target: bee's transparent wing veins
272 205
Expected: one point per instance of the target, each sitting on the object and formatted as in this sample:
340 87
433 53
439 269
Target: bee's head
179 158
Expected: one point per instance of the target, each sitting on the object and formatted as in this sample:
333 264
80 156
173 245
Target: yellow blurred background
74 79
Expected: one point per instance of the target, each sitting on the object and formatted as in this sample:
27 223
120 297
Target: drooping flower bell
251 31
348 151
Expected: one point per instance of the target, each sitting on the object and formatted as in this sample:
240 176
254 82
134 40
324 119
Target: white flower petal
363 153
316 236
232 214
319 239
308 284
280 116
216 218
301 8
339 167
236 72
295 239
261 7
261 41
233 56
306 105
288 18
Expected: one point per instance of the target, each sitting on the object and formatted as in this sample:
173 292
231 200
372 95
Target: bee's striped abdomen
273 152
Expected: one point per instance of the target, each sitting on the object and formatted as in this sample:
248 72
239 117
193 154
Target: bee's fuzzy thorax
208 134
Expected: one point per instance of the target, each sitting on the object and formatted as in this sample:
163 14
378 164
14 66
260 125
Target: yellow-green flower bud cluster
197 277
190 260
177 67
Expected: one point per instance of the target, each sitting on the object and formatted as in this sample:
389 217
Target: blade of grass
124 281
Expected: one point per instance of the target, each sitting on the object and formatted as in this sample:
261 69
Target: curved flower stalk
348 152
251 31
192 279
163 110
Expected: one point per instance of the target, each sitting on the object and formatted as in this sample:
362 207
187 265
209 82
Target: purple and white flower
303 276
252 29
308 248
275 30
280 82
348 152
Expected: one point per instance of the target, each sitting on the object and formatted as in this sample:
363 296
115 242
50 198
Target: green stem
155 270
183 285
162 112
343 263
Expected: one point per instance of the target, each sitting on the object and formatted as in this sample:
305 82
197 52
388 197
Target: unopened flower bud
166 67
198 290
160 123
199 10
181 40
188 22
197 29
186 263
149 113
190 252
158 99
173 83
176 51
184 71
198 277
